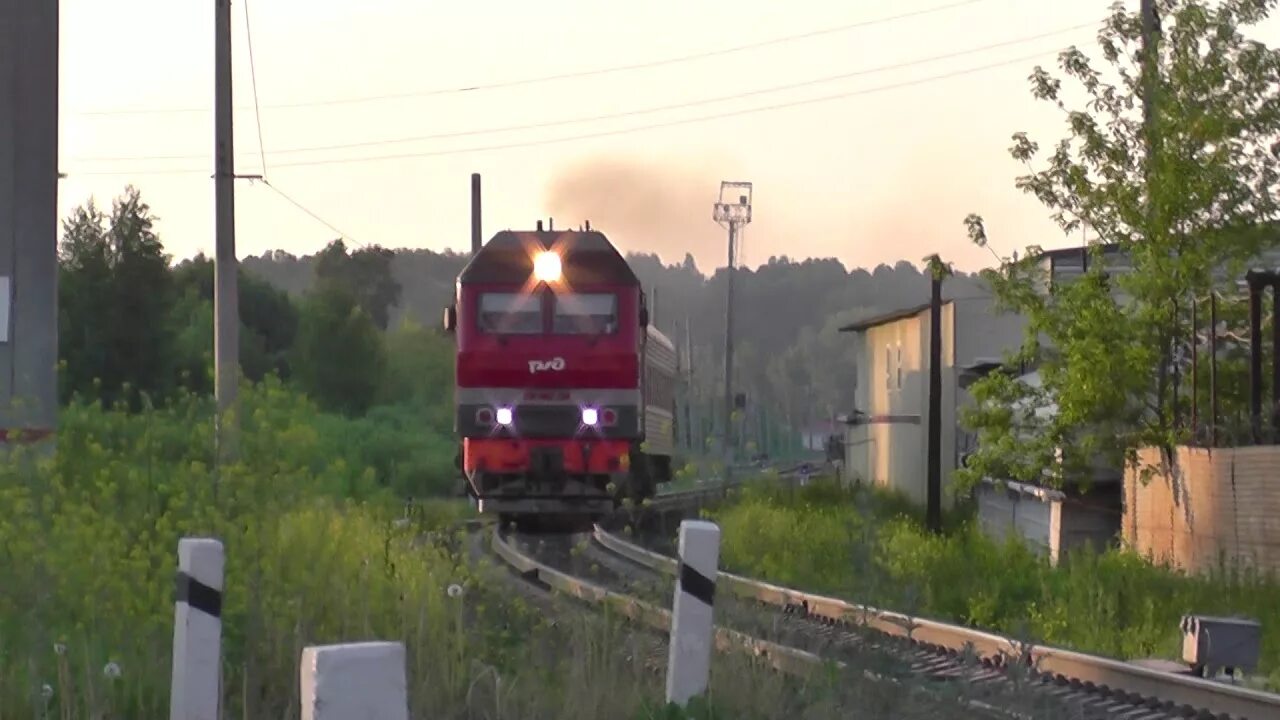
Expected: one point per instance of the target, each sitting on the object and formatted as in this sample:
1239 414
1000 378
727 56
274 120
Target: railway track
894 698
1082 686
892 693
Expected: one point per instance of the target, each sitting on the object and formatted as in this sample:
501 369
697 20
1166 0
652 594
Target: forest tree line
357 329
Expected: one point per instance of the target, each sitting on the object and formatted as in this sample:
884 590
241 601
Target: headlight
590 417
546 266
504 416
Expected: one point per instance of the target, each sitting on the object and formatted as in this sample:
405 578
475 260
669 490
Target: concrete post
689 658
357 680
197 631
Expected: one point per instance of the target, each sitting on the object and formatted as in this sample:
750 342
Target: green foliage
268 323
314 555
1185 198
339 357
366 274
868 547
114 298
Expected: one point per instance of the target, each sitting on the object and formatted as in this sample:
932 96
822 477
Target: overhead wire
574 74
613 132
253 74
312 213
640 111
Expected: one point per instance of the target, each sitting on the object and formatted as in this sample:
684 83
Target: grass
872 548
321 548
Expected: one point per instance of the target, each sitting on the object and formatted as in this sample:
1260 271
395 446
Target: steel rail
784 659
1085 672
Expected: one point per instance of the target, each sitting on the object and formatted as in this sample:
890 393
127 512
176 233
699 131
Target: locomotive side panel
660 367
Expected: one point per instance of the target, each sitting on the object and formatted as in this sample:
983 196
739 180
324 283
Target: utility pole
28 222
937 270
226 293
688 386
731 215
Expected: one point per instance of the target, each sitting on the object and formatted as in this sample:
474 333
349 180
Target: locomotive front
550 332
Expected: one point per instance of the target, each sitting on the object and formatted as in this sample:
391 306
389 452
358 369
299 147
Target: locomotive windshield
510 313
585 314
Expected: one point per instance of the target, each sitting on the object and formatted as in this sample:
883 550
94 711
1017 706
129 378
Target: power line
262 148
570 75
253 75
641 111
609 133
308 211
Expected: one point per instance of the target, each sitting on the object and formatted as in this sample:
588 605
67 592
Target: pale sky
877 176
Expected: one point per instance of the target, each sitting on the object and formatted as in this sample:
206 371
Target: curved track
557 564
1093 687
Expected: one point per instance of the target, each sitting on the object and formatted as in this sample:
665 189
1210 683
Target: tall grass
319 550
316 552
871 548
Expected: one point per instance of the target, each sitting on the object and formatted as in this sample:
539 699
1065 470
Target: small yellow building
887 442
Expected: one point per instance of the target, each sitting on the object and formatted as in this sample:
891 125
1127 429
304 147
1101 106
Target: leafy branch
1189 210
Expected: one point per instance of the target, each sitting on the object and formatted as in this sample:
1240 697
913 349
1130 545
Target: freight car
564 393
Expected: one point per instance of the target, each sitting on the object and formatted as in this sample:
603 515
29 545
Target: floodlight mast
731 215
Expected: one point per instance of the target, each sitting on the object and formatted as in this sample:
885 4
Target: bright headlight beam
546 266
590 417
504 416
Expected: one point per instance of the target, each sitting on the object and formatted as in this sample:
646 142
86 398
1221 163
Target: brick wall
1215 506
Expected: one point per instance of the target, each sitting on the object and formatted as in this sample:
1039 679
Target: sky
373 114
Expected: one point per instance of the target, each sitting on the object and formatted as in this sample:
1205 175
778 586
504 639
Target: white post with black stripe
197 631
689 658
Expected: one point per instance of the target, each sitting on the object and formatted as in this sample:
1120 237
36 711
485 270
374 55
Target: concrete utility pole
226 294
732 215
688 387
28 220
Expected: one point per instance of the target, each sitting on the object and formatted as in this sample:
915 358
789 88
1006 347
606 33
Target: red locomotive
564 394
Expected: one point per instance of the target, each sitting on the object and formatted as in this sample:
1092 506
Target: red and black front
549 327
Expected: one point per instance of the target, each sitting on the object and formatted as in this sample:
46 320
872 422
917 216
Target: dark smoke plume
644 207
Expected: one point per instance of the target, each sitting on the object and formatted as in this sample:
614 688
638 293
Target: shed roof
886 318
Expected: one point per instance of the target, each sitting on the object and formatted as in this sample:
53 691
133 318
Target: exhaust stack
476 240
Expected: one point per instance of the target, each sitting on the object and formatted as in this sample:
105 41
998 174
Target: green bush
870 547
318 551
314 553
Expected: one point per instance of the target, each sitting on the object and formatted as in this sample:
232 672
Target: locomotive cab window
510 313
585 314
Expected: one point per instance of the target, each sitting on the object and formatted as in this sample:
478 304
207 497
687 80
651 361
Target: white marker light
504 416
546 266
590 417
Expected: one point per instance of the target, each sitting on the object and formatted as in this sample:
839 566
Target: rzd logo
556 364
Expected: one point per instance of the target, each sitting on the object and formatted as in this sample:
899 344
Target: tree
419 372
366 274
339 358
115 294
1188 207
268 325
